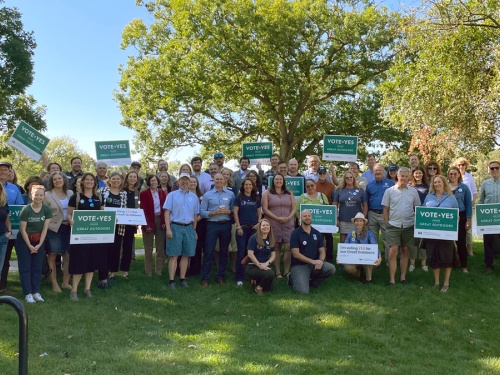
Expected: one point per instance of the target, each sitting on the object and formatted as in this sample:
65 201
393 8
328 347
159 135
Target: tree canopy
216 73
16 74
444 86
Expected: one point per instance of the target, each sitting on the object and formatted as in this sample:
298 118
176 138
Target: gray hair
101 163
403 169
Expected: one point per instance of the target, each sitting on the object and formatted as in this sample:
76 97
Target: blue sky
76 65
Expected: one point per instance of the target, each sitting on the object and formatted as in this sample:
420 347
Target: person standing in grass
181 217
308 257
5 225
440 253
399 202
490 193
419 182
261 255
30 243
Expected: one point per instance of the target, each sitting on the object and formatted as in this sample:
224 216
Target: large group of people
246 220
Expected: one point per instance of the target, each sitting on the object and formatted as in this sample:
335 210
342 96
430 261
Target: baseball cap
184 175
218 155
393 167
321 169
6 163
136 163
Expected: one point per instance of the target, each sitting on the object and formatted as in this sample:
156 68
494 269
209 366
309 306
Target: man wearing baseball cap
182 208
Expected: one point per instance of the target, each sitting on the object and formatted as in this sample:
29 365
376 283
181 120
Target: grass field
344 327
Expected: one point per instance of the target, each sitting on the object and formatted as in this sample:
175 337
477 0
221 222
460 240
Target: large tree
216 73
16 74
445 83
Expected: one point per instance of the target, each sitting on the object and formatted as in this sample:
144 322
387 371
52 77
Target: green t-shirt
35 220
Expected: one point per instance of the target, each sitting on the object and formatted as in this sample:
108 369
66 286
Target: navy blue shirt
247 209
262 253
375 192
307 243
423 190
4 214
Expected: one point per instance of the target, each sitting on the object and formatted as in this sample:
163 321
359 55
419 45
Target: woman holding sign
440 252
34 222
362 235
464 198
85 259
278 204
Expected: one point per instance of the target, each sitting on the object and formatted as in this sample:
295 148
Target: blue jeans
242 242
30 266
3 249
215 231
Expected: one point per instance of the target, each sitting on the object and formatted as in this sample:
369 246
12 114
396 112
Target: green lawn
344 327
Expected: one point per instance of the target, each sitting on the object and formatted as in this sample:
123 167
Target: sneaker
37 297
412 268
183 284
425 268
73 296
29 298
239 283
103 284
172 286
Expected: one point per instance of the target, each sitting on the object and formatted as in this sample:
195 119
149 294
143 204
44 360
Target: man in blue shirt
181 217
374 193
217 208
13 197
308 257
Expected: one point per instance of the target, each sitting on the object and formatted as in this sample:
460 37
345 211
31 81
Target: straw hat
359 215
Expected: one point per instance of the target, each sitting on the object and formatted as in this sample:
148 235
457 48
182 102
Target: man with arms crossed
490 193
399 203
308 257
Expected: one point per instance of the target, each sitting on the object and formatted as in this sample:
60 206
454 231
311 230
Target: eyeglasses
432 168
494 168
452 174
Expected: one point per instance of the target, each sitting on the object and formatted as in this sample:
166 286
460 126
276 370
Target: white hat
184 175
359 215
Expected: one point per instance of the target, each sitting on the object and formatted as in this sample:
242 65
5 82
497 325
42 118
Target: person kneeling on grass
362 235
181 216
308 257
261 255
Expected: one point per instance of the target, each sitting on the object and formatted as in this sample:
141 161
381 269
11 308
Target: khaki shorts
395 236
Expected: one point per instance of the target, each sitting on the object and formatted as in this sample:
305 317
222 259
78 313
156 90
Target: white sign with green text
437 223
354 253
340 148
488 218
29 141
324 217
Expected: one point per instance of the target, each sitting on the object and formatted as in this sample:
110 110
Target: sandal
286 274
445 288
278 276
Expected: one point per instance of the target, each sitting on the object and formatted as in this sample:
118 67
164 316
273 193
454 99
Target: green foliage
444 85
220 73
16 74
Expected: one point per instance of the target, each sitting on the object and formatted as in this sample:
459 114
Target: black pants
6 264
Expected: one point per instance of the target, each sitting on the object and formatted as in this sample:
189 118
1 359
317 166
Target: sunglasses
432 168
349 177
494 168
321 173
453 174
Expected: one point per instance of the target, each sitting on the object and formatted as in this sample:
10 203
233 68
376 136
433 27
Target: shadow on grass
345 327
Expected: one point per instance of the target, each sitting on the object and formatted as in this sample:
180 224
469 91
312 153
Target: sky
76 65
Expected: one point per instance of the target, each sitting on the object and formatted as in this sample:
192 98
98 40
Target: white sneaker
412 268
38 297
29 298
425 268
239 283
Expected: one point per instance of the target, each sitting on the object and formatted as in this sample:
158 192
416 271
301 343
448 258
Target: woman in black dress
85 259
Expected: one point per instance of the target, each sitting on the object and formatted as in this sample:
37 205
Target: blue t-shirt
262 253
247 209
350 202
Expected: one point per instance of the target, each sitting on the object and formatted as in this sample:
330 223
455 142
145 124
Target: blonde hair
230 182
446 185
3 196
354 182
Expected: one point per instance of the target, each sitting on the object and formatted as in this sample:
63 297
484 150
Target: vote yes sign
436 223
488 218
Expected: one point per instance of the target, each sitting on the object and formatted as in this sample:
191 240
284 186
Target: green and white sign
324 217
15 212
113 153
488 218
294 184
93 227
340 148
29 141
353 253
436 223
257 152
